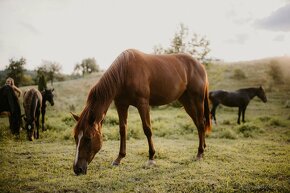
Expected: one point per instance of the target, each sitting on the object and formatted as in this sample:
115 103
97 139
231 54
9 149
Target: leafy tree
195 45
15 70
49 70
87 66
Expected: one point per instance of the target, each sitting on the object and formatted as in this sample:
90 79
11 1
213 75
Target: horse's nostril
79 171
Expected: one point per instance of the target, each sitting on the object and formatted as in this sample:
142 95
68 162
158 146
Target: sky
68 31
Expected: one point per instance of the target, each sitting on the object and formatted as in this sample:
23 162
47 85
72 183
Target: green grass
251 157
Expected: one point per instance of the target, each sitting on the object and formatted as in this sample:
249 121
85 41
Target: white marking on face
79 140
29 127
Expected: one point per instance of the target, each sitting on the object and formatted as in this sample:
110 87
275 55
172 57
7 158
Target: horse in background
141 80
34 102
9 103
239 98
47 95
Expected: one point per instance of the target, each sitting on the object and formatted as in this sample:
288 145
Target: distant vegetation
47 71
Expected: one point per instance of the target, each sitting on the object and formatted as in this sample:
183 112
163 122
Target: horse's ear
75 116
52 89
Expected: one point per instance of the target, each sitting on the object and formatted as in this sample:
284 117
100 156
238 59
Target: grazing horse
33 102
9 103
239 98
47 95
141 80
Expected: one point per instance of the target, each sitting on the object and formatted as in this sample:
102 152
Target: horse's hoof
151 163
115 163
199 157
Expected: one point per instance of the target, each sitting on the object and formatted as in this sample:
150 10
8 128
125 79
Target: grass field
251 157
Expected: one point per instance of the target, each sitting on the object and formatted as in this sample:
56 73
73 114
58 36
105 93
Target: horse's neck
97 107
252 92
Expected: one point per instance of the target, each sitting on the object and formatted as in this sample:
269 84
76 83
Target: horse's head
88 138
29 126
48 95
261 94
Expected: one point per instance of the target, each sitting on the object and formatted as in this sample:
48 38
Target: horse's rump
31 99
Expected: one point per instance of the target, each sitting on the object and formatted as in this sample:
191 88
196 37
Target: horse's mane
111 80
102 94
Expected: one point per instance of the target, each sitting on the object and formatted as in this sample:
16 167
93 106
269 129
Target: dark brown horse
33 103
240 98
141 80
9 103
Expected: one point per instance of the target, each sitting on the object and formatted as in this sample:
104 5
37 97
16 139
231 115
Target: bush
228 134
249 130
275 72
239 74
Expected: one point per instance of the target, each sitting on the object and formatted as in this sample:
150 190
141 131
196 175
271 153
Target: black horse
239 98
9 103
47 95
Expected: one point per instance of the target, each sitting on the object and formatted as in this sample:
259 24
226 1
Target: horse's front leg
144 111
123 114
37 124
240 111
43 118
243 114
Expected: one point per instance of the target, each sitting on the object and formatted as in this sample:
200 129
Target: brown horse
141 80
32 102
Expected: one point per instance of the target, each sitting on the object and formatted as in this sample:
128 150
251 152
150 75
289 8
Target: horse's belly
166 94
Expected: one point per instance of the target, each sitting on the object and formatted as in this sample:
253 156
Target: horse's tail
207 114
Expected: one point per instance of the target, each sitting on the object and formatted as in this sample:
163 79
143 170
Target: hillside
251 157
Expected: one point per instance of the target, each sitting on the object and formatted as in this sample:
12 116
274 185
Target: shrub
228 134
275 72
277 123
249 130
239 74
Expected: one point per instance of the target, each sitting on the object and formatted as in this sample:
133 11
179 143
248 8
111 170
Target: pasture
251 157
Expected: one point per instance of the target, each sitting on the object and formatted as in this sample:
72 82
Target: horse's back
163 78
230 99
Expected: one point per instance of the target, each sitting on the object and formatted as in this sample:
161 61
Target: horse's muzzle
80 170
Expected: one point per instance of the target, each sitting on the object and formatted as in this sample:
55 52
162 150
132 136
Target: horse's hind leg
144 109
213 110
194 107
123 114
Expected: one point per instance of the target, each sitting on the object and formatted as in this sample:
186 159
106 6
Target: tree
87 66
196 46
42 83
49 70
15 70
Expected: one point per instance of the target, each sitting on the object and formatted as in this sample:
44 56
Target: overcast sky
67 31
